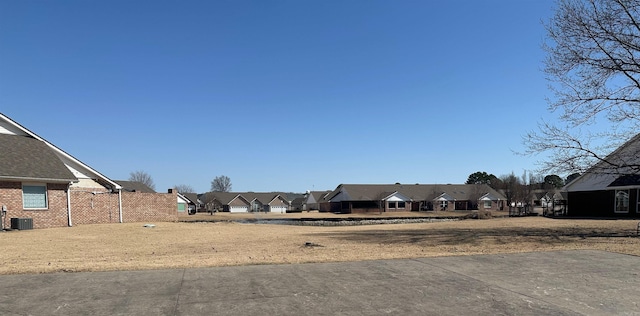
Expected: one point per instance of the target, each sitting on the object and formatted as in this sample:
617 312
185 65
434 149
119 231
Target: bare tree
527 185
593 65
221 184
184 188
141 176
476 191
510 187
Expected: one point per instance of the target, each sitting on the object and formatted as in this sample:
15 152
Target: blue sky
279 95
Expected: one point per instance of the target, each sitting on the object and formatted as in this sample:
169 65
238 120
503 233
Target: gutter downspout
120 204
69 204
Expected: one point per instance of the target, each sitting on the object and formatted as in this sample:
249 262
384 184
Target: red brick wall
88 206
94 206
142 207
103 207
54 216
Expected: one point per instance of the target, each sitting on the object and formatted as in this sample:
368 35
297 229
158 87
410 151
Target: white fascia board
183 198
61 153
489 197
444 197
397 197
626 187
278 196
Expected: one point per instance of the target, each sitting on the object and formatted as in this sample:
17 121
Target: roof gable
626 180
625 160
26 158
396 196
75 166
444 197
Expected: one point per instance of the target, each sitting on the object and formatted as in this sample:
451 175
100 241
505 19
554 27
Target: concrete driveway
545 283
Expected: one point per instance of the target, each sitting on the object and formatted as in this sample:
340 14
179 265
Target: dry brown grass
178 245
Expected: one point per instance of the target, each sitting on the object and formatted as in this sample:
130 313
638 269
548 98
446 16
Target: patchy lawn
131 246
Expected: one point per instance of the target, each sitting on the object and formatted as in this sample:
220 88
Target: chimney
171 190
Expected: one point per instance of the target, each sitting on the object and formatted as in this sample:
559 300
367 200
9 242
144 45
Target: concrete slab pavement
545 283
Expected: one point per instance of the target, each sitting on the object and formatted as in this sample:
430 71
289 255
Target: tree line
520 189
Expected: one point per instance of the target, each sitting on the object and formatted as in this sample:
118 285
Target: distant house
226 202
313 199
297 204
611 187
364 198
186 205
193 202
552 202
267 202
245 202
41 182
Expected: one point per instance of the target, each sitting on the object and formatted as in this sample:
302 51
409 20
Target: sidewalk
558 283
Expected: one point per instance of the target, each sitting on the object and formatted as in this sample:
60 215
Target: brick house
364 198
41 182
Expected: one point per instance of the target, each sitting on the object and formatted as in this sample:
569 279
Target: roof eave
62 152
33 179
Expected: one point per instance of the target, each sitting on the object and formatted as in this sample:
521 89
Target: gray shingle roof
26 158
193 197
264 198
222 197
134 186
625 160
416 192
319 195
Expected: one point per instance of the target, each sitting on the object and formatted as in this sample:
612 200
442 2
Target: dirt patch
204 244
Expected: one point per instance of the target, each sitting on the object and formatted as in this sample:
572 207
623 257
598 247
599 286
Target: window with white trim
391 205
401 204
622 201
444 204
487 204
34 196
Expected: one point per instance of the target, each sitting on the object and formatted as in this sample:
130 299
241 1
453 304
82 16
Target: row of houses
41 182
602 191
361 198
245 202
